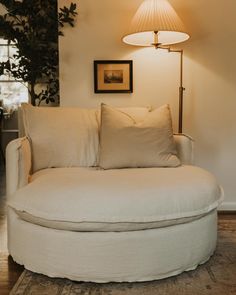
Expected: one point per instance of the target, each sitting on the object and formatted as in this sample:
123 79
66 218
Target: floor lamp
157 24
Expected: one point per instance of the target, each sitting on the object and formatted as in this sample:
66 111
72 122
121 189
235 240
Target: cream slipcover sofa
69 218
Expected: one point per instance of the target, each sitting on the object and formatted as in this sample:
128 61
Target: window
12 92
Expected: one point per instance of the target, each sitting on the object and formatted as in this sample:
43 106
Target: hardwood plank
9 273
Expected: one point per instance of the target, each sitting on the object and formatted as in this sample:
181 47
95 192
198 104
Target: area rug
216 277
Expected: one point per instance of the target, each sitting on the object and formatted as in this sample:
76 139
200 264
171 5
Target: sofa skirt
141 255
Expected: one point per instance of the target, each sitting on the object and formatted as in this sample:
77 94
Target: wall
209 77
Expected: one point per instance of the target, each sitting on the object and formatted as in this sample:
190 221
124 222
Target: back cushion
61 137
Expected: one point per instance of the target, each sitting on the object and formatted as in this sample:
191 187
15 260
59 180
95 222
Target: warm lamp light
157 24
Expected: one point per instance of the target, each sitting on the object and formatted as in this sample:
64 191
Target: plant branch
27 23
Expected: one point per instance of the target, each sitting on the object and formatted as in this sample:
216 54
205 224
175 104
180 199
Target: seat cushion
90 199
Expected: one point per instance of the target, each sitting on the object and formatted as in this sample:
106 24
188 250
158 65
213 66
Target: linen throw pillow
126 143
137 113
61 136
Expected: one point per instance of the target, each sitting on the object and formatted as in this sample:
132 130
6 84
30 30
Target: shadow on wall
213 42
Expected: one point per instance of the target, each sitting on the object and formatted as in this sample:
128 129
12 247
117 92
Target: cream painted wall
210 73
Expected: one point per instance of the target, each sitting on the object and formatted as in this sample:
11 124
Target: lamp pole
181 88
157 45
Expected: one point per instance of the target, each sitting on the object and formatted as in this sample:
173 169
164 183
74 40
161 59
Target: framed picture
113 76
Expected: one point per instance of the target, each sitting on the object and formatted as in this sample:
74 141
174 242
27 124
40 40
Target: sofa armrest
185 148
18 164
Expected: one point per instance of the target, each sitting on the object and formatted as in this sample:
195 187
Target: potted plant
34 26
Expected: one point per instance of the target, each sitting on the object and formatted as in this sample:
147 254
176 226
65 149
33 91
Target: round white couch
167 218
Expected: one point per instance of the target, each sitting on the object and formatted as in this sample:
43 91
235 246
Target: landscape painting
113 76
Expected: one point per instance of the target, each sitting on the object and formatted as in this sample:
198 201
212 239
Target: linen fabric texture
18 158
141 255
117 199
137 113
61 137
128 143
65 137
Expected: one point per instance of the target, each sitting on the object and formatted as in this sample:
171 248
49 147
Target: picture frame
113 76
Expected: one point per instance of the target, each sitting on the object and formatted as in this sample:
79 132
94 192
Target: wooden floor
10 271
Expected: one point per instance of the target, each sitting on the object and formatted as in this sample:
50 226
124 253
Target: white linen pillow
126 143
138 113
61 137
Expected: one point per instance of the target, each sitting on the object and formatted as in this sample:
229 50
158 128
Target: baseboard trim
227 206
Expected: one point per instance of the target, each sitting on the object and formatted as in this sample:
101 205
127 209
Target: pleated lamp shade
156 23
